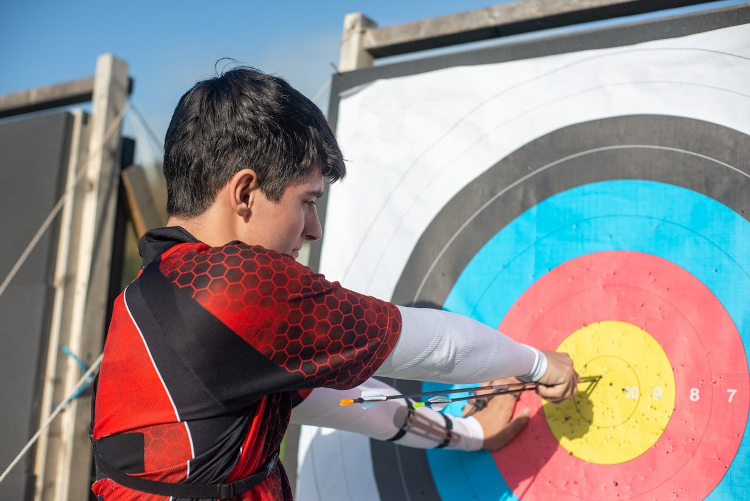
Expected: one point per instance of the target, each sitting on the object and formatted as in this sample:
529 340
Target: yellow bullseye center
622 415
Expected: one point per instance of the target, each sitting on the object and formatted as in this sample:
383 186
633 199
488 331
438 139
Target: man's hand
496 420
560 381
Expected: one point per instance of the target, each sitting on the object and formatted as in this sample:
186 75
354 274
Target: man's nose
313 229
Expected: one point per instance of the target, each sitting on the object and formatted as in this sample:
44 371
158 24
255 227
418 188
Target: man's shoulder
239 270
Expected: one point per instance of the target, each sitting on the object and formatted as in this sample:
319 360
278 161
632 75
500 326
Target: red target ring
705 351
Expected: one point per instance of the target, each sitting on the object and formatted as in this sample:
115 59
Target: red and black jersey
208 350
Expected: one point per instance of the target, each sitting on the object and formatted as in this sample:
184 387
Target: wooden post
53 392
68 455
353 53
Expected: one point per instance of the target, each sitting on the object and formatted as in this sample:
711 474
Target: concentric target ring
580 234
679 312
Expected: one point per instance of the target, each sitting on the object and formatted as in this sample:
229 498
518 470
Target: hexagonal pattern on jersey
293 316
166 451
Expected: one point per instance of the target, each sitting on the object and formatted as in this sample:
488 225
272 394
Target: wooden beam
49 96
502 20
140 202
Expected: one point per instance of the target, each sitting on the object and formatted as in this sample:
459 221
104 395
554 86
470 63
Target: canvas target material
586 201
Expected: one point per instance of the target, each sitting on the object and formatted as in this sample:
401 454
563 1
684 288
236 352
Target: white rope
321 91
58 409
149 131
63 199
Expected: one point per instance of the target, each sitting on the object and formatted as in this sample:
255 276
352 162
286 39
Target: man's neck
209 227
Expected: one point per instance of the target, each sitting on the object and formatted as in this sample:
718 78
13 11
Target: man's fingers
558 393
560 381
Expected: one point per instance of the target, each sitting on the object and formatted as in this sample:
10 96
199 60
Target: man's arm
441 346
489 428
384 421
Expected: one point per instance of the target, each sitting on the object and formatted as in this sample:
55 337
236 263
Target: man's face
285 225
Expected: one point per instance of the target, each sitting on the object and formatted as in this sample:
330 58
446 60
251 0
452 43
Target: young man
223 332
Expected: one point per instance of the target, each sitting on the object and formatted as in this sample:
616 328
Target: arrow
438 402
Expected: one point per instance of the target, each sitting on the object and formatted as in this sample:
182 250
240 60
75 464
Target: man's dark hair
241 119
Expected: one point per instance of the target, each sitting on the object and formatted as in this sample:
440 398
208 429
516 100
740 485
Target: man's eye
311 202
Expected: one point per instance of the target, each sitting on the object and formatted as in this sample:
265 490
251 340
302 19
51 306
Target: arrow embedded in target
439 401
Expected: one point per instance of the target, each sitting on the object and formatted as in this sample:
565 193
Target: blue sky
170 45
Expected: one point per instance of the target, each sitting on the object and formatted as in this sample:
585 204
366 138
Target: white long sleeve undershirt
445 347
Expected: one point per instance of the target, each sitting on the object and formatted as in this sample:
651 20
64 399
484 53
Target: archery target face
640 279
580 207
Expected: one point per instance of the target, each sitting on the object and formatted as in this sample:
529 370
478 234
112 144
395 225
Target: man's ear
243 190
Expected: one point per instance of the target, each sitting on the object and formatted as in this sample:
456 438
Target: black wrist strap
201 491
400 433
448 431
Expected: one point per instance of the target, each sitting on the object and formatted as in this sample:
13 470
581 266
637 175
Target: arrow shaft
502 392
499 389
459 390
502 388
447 400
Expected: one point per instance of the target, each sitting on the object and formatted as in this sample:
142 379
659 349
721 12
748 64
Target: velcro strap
200 491
448 431
400 433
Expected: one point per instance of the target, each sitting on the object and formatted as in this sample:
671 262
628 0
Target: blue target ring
691 230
